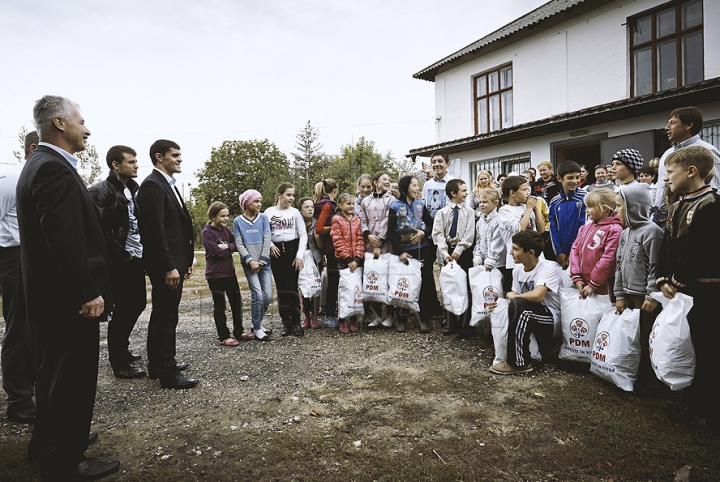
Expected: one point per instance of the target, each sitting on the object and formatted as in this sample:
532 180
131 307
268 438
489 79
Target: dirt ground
371 406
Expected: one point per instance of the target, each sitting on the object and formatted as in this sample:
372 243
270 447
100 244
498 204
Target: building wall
540 147
582 63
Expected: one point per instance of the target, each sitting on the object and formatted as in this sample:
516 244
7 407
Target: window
507 164
492 92
666 47
710 133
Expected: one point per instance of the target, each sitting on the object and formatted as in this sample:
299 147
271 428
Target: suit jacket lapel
172 193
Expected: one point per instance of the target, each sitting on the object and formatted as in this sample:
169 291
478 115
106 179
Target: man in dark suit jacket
67 291
167 237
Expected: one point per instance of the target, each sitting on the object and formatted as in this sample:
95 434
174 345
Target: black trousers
162 326
286 283
525 317
704 392
221 287
331 294
20 358
66 386
127 280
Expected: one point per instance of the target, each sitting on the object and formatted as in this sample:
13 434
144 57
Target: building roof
529 20
625 109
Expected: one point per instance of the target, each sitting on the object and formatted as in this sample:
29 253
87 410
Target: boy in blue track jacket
567 212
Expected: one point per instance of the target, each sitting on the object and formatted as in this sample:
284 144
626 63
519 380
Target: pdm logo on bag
358 295
372 279
491 295
316 273
403 285
602 341
579 329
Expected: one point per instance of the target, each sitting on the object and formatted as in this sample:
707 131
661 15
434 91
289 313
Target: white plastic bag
404 283
672 354
580 318
486 287
616 349
375 278
453 286
499 323
350 301
309 278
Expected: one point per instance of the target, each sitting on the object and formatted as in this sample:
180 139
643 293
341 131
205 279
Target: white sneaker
388 322
261 335
375 321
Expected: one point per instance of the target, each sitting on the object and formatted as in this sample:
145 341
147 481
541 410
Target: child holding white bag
311 306
592 257
409 230
637 259
453 234
349 246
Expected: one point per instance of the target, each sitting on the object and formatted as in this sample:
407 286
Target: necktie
453 227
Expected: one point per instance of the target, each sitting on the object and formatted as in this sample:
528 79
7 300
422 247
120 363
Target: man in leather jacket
115 197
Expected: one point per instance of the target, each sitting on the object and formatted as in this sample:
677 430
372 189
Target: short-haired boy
689 264
453 234
567 212
635 271
519 214
534 304
439 162
626 164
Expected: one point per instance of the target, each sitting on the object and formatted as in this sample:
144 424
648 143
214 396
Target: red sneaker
306 323
353 325
344 328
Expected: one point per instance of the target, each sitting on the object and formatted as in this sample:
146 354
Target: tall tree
309 161
236 166
89 166
358 159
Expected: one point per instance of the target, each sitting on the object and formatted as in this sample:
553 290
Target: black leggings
286 282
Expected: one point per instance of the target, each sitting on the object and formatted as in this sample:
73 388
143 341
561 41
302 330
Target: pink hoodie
592 257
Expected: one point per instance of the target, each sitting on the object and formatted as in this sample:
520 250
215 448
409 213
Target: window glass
480 85
493 80
482 116
643 30
692 58
643 71
506 77
666 23
691 13
507 109
494 102
667 65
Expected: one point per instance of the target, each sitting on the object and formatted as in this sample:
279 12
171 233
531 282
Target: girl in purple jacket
219 243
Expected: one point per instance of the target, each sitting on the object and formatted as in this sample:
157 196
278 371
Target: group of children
602 240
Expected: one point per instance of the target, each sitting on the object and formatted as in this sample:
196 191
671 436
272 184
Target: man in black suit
67 290
167 237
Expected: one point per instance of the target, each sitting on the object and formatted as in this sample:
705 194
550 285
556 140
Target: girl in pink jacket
349 244
592 257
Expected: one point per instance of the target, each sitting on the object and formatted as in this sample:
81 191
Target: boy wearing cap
252 241
626 165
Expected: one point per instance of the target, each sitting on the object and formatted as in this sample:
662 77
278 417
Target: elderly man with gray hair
67 291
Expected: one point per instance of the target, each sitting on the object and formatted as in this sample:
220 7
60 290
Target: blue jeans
260 285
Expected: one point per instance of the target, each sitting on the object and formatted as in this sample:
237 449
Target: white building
576 79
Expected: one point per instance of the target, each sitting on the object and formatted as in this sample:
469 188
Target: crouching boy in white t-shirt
534 303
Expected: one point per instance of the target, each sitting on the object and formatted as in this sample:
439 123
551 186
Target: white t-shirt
287 225
543 274
509 224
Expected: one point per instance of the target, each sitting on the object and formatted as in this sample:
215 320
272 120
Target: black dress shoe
287 330
92 469
178 382
153 375
131 357
182 366
130 372
24 415
92 438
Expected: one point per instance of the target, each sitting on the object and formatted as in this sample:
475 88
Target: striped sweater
252 238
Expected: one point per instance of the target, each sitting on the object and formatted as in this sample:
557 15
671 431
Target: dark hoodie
637 255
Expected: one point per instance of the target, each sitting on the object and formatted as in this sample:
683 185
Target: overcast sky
201 72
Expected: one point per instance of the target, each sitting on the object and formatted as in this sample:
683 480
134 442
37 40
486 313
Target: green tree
236 166
309 162
358 159
20 154
89 166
